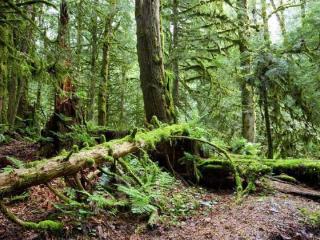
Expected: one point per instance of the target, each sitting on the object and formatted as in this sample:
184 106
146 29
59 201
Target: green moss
312 217
286 178
44 225
109 158
160 134
86 145
90 162
75 148
103 138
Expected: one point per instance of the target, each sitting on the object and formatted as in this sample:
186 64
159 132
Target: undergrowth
156 196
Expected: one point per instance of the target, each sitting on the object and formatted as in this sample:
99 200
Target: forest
160 119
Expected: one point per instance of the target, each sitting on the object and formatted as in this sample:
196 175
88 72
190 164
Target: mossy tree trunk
103 86
93 65
3 72
25 110
66 102
150 56
65 99
265 19
264 81
12 94
281 19
175 61
247 96
123 85
79 34
44 171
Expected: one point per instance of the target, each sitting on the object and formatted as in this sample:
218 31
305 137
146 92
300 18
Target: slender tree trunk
123 85
247 101
303 10
281 20
79 34
12 94
94 53
175 62
264 83
266 34
3 73
103 87
150 56
266 115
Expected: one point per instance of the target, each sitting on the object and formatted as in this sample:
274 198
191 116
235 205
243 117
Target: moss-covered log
304 170
43 171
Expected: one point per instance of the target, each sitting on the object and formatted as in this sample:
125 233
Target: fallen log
304 170
43 171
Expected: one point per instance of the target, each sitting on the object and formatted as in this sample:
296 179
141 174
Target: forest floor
273 215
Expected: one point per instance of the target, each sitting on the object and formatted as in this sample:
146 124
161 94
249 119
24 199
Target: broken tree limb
44 171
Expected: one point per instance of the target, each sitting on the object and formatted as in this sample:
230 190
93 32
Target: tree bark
103 87
150 56
247 101
175 62
266 34
66 102
3 72
281 20
264 82
94 54
79 34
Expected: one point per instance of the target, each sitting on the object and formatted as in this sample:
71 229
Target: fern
103 202
140 202
16 162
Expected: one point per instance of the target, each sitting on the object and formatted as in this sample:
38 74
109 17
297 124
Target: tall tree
4 32
105 74
150 56
93 62
264 81
281 19
248 109
66 102
175 60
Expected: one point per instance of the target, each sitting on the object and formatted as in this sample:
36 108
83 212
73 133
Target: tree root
43 225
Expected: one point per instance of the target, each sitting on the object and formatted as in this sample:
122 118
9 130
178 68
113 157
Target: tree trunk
24 109
264 96
150 56
94 52
281 20
303 10
65 108
103 87
3 72
48 169
79 34
175 62
123 86
247 101
264 83
266 34
12 93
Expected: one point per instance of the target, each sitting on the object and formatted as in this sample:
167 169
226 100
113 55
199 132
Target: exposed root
43 225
